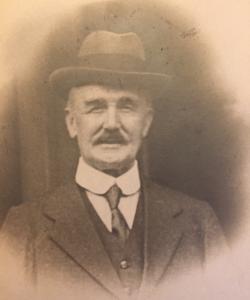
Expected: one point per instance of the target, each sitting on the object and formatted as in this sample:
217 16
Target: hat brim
154 84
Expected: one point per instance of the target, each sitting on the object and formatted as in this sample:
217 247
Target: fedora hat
109 58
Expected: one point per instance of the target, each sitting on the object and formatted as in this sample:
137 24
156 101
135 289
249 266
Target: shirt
97 183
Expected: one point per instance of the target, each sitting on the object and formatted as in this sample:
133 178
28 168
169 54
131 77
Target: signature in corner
189 33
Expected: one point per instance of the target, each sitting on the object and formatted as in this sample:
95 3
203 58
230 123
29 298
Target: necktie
119 225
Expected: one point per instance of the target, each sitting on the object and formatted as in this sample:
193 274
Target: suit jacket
50 246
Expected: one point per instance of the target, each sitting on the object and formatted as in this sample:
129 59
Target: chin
111 164
116 165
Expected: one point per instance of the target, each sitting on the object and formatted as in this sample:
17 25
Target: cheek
85 126
143 126
135 126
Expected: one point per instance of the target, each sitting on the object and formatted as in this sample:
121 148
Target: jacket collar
74 231
163 232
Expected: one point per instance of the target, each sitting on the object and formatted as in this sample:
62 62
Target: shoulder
192 214
168 198
195 217
25 217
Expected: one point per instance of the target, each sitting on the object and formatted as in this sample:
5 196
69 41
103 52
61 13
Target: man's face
109 124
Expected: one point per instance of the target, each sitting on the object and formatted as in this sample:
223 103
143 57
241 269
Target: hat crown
113 59
110 43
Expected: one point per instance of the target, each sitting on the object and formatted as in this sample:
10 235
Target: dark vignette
195 144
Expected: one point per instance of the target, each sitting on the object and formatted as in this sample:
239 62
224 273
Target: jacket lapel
163 233
75 233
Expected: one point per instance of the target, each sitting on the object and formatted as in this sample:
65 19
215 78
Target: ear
71 124
148 121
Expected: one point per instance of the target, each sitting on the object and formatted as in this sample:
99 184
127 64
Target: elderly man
110 233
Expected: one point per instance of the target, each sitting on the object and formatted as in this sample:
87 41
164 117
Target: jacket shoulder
196 215
165 196
22 220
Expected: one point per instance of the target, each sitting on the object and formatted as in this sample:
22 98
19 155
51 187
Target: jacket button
124 264
128 291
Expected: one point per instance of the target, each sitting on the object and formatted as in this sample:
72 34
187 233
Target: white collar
98 182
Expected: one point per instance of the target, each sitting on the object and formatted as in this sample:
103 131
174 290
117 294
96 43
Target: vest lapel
75 233
163 233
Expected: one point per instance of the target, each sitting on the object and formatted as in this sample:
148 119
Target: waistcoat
127 260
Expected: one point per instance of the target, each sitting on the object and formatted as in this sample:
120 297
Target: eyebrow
123 100
94 102
98 101
128 99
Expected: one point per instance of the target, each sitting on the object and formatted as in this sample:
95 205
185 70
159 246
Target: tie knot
113 196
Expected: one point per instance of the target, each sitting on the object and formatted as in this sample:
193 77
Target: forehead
89 92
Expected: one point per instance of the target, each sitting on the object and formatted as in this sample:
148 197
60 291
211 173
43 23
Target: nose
112 120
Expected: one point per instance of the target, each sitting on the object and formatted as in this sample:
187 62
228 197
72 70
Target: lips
112 141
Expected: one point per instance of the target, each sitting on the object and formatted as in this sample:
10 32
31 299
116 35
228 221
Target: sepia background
200 140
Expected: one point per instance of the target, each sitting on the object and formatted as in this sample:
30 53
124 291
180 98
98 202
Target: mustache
111 137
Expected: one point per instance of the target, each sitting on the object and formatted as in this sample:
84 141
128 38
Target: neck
114 171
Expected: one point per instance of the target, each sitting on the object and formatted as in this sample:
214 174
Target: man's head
109 124
109 92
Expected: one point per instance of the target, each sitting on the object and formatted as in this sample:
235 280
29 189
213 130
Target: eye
96 110
96 107
127 105
127 108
